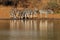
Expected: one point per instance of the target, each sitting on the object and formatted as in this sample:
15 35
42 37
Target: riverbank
4 14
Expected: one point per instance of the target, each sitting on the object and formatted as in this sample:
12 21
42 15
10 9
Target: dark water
29 29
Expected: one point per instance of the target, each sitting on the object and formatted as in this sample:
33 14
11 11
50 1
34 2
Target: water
29 29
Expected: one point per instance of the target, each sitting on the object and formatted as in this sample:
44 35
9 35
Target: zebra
13 13
45 12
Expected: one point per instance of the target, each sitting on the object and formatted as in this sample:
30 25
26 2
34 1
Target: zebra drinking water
14 13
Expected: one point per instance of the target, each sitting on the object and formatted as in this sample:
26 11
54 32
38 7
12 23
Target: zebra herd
15 13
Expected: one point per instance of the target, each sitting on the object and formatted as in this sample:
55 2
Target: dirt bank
4 13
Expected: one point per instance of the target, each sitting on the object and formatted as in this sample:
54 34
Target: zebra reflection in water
42 29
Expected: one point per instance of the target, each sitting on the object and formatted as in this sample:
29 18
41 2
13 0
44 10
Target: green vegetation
54 6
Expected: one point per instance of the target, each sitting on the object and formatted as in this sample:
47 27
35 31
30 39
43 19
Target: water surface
29 29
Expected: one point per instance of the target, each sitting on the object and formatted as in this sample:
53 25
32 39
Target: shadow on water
29 29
